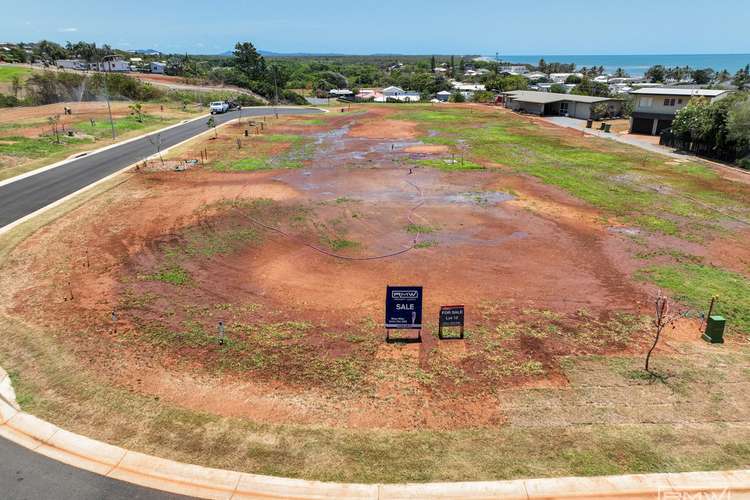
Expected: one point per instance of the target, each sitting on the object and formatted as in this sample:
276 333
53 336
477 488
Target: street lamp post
106 94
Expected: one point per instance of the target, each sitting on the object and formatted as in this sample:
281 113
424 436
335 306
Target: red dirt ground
538 259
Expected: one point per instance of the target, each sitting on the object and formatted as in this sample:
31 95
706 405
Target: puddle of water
336 133
630 231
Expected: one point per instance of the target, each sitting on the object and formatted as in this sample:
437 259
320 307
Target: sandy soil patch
428 149
381 127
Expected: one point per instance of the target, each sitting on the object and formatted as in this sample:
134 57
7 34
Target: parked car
218 107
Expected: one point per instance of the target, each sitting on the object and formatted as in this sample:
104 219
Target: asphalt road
25 475
25 196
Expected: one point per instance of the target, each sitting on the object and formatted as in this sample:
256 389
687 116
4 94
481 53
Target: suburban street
24 196
30 476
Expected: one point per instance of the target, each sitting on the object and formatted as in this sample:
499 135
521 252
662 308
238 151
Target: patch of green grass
696 169
339 243
192 334
8 72
38 147
102 128
344 199
433 116
449 164
300 149
290 138
426 244
657 224
26 124
172 274
656 194
24 398
244 165
419 229
695 284
218 242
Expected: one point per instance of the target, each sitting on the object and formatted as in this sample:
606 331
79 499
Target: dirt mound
427 148
375 128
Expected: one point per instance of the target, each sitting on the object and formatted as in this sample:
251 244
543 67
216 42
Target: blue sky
387 26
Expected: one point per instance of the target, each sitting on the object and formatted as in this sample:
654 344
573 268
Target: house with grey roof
554 104
654 108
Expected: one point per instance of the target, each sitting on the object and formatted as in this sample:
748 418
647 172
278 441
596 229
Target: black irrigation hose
345 257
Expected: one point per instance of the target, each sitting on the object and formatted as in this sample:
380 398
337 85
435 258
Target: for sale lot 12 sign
452 316
403 307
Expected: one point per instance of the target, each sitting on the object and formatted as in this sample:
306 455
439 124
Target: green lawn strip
449 164
37 147
103 129
12 126
8 72
695 284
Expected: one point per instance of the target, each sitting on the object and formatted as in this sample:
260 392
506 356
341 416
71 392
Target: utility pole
106 94
276 91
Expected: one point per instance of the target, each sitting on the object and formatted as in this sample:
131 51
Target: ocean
637 64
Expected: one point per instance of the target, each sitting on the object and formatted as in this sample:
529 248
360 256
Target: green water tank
715 330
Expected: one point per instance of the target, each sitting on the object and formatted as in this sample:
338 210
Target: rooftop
679 91
550 97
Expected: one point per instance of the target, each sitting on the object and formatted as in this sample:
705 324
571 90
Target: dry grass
677 430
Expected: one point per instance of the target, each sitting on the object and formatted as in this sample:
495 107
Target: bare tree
53 121
156 142
664 317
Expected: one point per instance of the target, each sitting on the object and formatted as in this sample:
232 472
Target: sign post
451 316
403 311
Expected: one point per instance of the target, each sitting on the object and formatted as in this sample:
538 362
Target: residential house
551 103
114 65
341 93
398 94
535 76
77 64
562 77
443 96
514 70
655 107
367 94
157 67
467 89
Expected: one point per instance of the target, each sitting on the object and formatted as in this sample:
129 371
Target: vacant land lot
287 232
28 139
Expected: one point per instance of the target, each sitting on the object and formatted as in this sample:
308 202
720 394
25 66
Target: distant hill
268 53
147 52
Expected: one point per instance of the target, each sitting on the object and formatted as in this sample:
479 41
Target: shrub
8 101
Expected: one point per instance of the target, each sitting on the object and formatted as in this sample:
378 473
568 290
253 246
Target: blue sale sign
403 307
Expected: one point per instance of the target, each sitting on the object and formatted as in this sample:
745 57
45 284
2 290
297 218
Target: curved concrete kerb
153 472
6 391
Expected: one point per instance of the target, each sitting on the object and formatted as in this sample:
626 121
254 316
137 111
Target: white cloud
67 30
